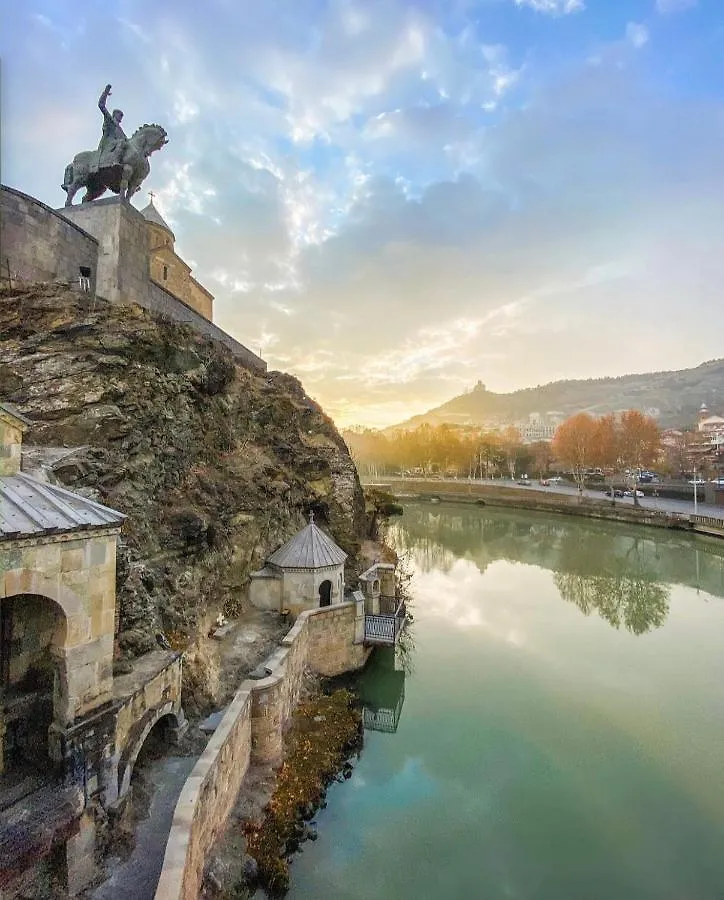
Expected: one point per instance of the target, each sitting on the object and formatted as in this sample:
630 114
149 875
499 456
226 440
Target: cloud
391 201
553 7
637 34
673 6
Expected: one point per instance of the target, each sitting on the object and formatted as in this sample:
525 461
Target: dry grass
324 732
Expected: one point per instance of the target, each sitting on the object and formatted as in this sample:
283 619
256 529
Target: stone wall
11 443
39 244
530 498
206 800
166 304
172 273
335 639
265 590
124 270
251 730
110 238
300 588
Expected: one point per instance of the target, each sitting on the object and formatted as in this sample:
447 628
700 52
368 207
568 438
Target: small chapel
305 573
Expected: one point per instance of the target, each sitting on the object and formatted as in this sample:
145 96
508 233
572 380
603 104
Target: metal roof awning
30 507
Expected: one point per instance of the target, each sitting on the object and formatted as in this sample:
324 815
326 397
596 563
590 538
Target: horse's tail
68 177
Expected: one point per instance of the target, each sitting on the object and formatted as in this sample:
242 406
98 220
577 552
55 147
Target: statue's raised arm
102 101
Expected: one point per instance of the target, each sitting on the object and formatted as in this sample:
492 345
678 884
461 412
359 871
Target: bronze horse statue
124 177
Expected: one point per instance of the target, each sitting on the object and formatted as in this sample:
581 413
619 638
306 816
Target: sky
393 200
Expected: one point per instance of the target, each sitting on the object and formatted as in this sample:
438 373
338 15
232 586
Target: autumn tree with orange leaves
638 443
575 446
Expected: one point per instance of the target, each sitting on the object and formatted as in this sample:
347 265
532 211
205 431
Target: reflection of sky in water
541 753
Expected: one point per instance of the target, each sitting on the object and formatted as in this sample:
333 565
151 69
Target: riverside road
680 507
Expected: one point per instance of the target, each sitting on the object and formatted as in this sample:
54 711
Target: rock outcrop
215 466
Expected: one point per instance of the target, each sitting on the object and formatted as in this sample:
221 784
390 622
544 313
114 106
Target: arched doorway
325 593
31 627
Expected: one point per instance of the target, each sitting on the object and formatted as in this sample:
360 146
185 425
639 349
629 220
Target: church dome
151 214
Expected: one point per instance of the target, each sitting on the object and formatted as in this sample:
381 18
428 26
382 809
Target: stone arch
72 634
129 755
29 581
325 592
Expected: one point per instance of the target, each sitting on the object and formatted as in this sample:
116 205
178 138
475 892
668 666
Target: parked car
544 482
526 481
631 493
697 481
616 493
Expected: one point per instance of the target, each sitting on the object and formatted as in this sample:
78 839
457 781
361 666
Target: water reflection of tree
613 575
635 603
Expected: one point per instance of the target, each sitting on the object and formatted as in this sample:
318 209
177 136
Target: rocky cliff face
214 466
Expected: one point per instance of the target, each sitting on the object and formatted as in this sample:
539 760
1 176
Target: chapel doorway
325 593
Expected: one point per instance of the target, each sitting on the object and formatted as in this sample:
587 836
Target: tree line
613 443
446 449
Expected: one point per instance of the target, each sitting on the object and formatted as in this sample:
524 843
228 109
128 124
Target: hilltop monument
120 164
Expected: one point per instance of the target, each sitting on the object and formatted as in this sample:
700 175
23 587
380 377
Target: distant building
711 425
671 437
532 432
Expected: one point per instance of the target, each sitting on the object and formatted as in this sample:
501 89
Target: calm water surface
559 721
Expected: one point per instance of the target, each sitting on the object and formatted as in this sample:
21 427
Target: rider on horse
113 140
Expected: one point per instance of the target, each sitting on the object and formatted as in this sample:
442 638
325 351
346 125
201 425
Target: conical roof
151 214
311 548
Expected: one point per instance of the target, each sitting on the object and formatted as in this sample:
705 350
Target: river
554 728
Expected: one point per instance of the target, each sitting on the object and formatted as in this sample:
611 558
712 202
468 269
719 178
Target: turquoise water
559 720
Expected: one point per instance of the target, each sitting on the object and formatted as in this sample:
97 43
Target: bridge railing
707 522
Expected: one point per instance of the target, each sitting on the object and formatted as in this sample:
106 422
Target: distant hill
674 397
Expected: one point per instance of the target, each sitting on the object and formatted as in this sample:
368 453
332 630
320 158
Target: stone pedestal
123 261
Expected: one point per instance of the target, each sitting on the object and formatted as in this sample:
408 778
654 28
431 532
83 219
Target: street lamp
696 478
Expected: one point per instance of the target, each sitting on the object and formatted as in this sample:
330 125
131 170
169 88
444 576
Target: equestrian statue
120 163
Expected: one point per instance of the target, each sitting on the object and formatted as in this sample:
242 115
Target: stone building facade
69 732
168 269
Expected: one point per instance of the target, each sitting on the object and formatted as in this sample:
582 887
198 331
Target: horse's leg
125 178
72 190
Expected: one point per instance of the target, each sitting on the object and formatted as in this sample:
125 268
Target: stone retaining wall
530 498
39 244
252 730
161 301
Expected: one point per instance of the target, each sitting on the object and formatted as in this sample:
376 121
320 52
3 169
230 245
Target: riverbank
500 495
273 813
